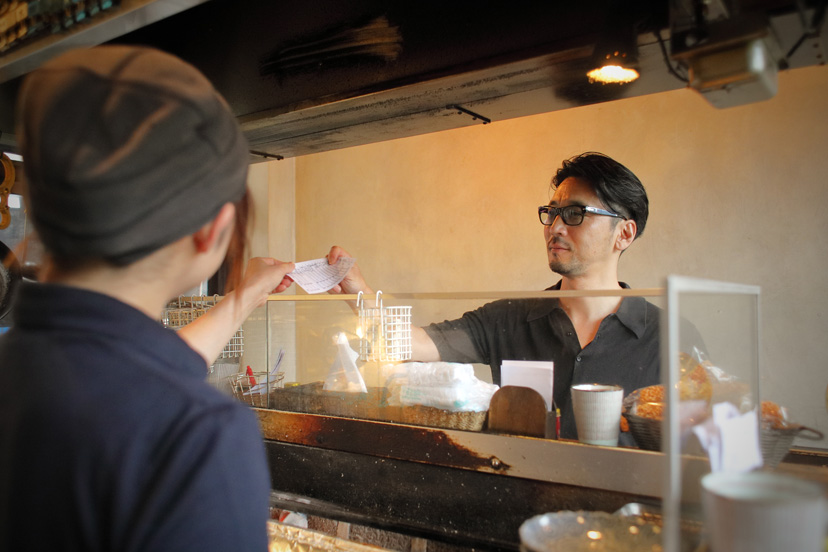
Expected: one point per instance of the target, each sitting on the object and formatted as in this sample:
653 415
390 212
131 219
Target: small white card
731 439
318 276
534 374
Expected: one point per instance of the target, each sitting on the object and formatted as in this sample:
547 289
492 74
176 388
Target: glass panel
312 338
709 339
712 392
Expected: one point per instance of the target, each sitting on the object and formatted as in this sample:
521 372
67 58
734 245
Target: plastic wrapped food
695 384
774 416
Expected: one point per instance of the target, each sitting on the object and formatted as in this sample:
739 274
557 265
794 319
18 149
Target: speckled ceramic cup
597 413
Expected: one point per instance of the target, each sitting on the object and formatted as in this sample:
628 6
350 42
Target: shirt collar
66 308
632 312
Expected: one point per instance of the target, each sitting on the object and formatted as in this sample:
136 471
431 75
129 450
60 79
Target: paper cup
762 512
597 413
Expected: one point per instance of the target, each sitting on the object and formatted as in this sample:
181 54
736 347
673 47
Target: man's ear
628 229
213 232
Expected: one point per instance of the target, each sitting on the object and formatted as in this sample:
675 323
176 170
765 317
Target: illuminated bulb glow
614 74
594 535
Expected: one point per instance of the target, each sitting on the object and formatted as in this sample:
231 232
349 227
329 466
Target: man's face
574 251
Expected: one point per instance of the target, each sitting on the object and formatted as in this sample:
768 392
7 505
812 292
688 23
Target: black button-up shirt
625 351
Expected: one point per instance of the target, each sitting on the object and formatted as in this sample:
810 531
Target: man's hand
353 281
424 349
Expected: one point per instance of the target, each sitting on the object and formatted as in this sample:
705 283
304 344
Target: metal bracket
472 114
267 155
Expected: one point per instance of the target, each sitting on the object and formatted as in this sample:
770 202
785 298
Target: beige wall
736 195
271 188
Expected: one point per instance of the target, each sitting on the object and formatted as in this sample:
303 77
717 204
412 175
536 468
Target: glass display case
711 346
330 378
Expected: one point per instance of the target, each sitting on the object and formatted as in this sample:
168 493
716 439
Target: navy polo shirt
625 350
111 439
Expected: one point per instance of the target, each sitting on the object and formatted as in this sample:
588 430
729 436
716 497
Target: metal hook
472 114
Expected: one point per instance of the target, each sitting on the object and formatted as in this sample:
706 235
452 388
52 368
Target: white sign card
534 374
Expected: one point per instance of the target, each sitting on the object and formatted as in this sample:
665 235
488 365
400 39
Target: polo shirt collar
55 307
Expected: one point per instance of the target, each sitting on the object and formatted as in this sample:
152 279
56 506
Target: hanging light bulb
615 58
614 69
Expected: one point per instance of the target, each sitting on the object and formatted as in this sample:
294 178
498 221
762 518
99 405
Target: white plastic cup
597 412
763 512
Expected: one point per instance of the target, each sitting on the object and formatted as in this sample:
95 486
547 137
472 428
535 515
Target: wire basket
776 442
184 310
384 332
254 388
645 431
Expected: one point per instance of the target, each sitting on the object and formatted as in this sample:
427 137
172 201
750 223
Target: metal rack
384 332
185 309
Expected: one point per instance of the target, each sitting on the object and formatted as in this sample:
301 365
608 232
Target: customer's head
615 185
126 150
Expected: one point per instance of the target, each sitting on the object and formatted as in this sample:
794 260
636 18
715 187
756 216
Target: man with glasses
599 207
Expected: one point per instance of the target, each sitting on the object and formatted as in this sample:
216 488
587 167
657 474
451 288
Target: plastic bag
344 374
445 385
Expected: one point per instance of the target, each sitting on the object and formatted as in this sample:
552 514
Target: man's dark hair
614 184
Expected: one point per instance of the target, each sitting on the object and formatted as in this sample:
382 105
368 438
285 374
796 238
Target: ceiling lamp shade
615 59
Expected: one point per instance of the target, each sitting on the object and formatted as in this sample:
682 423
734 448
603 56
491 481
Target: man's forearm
423 348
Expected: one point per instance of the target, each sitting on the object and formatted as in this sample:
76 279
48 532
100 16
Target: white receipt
317 275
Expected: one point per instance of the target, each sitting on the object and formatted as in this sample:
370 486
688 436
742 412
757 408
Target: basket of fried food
777 433
701 383
644 408
643 412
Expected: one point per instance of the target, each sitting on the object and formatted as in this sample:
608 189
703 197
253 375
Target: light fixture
615 58
732 61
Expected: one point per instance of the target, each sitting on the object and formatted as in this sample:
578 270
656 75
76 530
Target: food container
584 531
373 405
763 512
286 538
691 524
645 431
775 442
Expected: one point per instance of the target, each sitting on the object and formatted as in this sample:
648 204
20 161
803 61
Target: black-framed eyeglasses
571 215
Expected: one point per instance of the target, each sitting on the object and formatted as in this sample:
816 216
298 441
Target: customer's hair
233 264
615 185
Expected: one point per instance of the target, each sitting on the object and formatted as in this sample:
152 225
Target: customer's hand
209 333
263 276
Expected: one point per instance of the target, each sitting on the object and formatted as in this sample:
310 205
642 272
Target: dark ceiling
229 41
504 58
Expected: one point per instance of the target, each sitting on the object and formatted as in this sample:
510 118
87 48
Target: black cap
125 150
